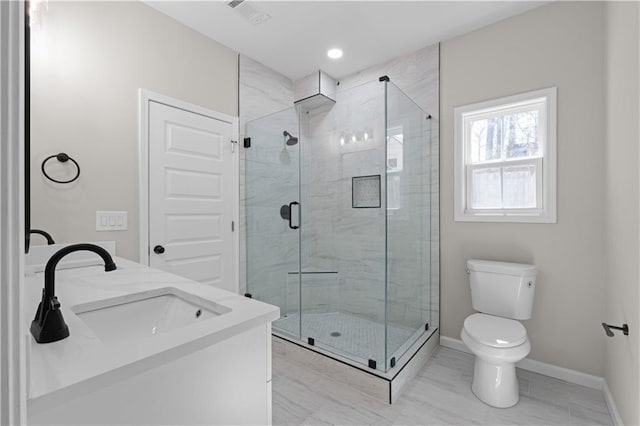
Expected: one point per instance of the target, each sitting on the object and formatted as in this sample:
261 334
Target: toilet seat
495 331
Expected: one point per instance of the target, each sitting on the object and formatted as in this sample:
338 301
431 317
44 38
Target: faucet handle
54 303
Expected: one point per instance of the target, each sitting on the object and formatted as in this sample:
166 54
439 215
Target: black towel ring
63 158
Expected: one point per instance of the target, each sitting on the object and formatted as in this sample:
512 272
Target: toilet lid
494 331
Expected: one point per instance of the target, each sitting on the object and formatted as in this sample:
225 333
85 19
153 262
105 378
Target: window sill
544 217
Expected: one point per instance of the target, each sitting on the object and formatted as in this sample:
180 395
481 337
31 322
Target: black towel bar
607 329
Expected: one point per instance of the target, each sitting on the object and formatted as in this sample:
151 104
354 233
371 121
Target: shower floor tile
354 337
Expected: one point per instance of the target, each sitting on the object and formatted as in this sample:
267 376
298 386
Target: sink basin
146 314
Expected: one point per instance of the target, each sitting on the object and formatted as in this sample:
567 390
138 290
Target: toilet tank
501 288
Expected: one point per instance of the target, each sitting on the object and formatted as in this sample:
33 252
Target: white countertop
82 362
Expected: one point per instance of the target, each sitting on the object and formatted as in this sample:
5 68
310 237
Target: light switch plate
111 221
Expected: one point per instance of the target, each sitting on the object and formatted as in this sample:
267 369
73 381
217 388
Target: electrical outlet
111 221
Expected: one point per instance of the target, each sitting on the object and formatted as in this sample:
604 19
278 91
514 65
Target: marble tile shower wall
263 91
337 236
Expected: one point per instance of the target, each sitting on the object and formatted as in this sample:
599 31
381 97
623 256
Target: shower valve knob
158 249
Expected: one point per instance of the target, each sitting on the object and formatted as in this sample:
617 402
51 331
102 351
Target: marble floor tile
439 395
528 411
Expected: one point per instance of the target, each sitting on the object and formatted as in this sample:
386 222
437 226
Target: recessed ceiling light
334 53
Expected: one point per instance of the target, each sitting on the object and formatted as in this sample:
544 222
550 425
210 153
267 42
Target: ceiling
296 36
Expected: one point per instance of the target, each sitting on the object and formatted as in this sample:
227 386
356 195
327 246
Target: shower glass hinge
311 341
247 142
233 226
233 146
373 364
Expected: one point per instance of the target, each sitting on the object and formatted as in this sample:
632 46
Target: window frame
545 162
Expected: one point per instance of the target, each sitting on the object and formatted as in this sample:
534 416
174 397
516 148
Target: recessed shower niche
338 231
365 192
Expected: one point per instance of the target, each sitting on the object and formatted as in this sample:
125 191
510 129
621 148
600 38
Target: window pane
485 139
486 188
521 134
519 190
504 136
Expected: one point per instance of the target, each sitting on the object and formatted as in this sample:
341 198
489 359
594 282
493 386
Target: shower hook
63 158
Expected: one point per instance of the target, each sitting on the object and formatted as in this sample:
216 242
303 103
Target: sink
146 314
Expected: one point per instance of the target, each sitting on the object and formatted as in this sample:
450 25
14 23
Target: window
505 159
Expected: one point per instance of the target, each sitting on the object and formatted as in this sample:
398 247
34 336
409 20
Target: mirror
27 132
88 62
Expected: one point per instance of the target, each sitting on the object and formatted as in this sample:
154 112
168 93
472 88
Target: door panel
191 195
188 227
191 185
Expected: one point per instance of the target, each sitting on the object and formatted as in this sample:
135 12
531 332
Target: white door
191 195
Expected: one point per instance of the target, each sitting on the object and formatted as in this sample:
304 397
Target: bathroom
89 61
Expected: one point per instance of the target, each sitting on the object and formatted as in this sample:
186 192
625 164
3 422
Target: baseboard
566 374
451 343
611 405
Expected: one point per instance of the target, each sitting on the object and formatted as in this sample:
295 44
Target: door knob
158 249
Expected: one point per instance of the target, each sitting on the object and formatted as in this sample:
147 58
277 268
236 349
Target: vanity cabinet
213 371
227 383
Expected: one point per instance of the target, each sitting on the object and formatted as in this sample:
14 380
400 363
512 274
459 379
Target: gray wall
622 369
560 44
89 60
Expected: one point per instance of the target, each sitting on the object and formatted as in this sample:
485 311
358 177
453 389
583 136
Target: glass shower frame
343 272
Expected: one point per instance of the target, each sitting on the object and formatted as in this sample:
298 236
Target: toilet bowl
503 293
498 344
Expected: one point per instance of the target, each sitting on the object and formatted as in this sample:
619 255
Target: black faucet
44 234
48 325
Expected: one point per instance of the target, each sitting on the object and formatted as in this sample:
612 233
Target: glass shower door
272 192
408 229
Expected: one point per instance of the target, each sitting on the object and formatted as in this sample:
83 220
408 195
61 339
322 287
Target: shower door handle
291 204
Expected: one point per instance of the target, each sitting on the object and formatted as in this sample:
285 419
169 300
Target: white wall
89 60
560 44
622 369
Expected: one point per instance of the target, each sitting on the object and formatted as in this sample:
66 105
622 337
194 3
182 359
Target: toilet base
495 384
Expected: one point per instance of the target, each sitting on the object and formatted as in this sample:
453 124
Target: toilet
502 293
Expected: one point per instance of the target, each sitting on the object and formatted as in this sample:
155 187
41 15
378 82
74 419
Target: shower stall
338 223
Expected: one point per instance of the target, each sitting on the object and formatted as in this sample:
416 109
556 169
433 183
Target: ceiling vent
234 3
249 12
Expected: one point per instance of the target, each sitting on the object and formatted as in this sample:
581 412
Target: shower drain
335 334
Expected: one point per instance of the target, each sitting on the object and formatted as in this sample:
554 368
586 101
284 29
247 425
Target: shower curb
386 387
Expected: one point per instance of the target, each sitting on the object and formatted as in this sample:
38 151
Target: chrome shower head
290 139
